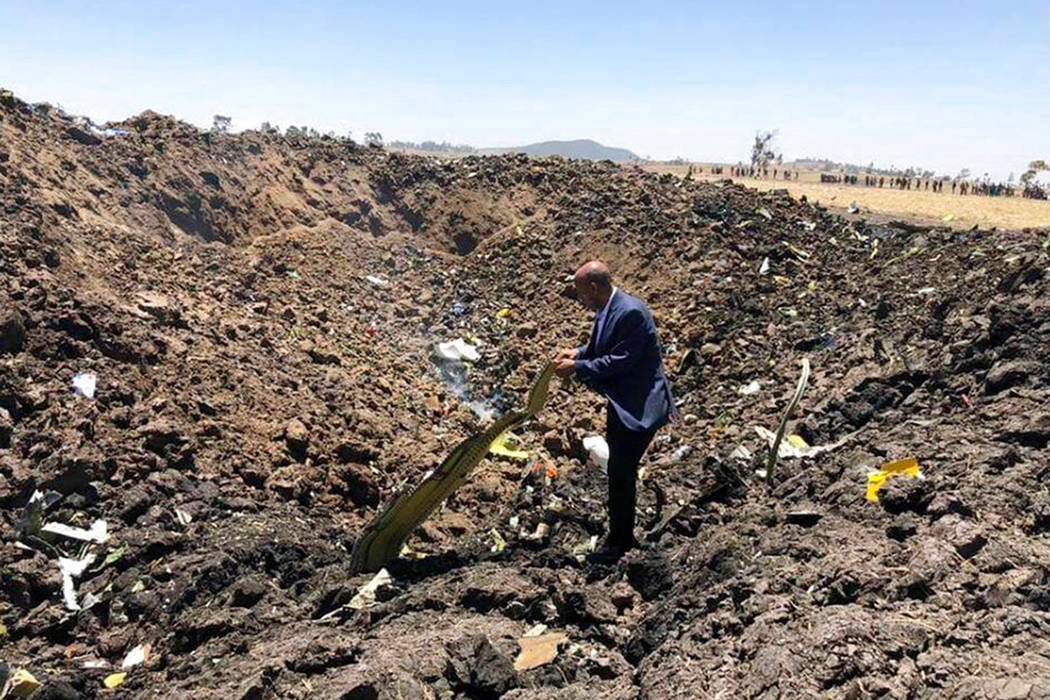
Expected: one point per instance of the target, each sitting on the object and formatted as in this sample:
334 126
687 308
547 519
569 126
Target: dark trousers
626 448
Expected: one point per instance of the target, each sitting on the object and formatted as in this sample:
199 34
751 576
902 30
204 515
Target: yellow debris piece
905 467
503 313
22 683
498 543
797 441
948 217
799 253
502 446
114 679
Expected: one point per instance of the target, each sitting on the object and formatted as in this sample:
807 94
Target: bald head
593 283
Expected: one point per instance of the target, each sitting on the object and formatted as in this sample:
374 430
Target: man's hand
566 354
565 367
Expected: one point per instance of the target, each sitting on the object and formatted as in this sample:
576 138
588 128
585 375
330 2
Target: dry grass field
956 210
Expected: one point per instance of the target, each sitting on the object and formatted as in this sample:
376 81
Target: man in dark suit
622 361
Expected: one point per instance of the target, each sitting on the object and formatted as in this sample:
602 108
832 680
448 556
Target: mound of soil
261 315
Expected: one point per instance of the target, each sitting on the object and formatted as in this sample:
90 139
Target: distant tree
373 138
1034 168
292 132
220 124
963 174
1010 180
762 149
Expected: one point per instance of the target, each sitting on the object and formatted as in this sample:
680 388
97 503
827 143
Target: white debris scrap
378 281
367 595
764 269
597 450
741 453
458 350
681 452
787 449
748 389
97 532
71 569
84 383
136 656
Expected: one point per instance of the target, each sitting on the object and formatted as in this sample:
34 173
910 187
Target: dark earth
259 399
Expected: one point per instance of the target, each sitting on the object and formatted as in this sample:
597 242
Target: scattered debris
504 446
797 447
899 467
386 533
114 679
741 453
366 596
73 569
498 543
458 350
378 281
138 655
597 450
774 448
751 388
20 684
97 532
681 452
84 383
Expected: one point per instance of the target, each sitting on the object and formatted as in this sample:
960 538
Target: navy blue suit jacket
622 361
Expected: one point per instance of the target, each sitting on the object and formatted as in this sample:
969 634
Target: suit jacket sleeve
630 336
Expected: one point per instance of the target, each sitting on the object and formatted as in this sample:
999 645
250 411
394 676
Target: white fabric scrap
97 532
378 281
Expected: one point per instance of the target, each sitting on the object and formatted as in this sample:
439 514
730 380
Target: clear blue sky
945 85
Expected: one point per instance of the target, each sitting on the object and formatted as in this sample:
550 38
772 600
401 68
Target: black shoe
606 555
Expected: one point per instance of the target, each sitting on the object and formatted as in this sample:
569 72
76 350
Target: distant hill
582 149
